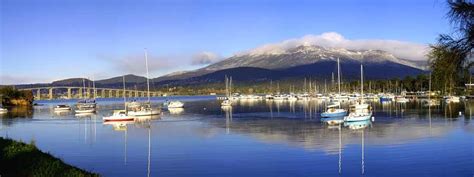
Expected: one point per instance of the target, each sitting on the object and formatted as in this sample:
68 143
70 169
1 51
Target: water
255 139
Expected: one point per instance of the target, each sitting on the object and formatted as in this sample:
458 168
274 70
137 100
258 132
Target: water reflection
275 134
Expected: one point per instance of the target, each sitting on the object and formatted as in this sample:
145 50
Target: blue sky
46 40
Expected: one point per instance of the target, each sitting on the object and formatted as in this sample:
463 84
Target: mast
429 92
338 76
230 86
93 85
83 88
124 98
147 76
361 82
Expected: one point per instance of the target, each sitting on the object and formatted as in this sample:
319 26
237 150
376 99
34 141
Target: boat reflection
357 125
176 111
228 118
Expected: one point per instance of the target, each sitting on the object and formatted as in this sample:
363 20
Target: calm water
255 139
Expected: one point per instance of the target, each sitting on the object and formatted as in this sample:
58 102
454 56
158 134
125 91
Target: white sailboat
173 104
86 103
3 110
120 115
360 111
228 84
334 109
85 106
145 110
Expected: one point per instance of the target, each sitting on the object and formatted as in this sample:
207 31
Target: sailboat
334 108
360 111
3 110
431 102
145 110
228 84
120 115
86 104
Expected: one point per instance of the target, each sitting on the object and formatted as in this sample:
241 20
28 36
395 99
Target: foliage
20 159
9 93
450 57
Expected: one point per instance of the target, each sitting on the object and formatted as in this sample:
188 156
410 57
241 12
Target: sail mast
93 85
83 88
338 76
124 99
361 81
147 76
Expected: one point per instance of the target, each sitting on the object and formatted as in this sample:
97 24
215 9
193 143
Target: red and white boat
119 115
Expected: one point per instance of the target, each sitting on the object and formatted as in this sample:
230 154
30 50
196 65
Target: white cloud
135 64
6 79
401 49
204 58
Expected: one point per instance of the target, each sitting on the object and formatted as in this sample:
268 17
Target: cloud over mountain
401 49
204 58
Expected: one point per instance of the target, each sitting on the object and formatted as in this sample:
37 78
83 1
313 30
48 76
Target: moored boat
62 107
173 104
119 115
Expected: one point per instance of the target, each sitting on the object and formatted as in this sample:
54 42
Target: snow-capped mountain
307 54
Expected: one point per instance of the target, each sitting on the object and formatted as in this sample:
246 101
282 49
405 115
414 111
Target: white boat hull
144 113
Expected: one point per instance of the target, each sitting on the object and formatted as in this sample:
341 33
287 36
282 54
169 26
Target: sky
47 40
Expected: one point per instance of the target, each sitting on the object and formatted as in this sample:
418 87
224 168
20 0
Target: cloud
204 58
401 49
6 79
135 64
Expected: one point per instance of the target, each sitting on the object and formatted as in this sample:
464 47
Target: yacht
360 111
3 110
173 104
146 109
452 99
228 86
401 99
334 109
62 107
120 115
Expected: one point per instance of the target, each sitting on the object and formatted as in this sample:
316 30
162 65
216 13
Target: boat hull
335 114
144 113
357 118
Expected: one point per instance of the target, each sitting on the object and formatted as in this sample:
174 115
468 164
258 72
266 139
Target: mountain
308 60
302 61
115 82
303 55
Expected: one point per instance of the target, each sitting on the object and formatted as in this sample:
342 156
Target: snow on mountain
307 54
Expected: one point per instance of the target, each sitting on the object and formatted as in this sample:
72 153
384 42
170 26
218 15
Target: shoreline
22 159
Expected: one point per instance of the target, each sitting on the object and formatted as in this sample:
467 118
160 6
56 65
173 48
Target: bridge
80 92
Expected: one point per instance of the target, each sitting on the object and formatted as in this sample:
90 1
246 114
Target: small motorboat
173 104
357 125
145 110
62 107
359 112
452 99
333 120
119 115
3 110
84 110
401 99
226 103
332 110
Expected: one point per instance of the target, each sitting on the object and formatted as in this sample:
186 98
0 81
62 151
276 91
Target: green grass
21 159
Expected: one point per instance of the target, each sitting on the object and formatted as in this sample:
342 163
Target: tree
450 57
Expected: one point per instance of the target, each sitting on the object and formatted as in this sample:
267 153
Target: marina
205 139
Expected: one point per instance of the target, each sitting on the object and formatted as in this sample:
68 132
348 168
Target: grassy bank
21 159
